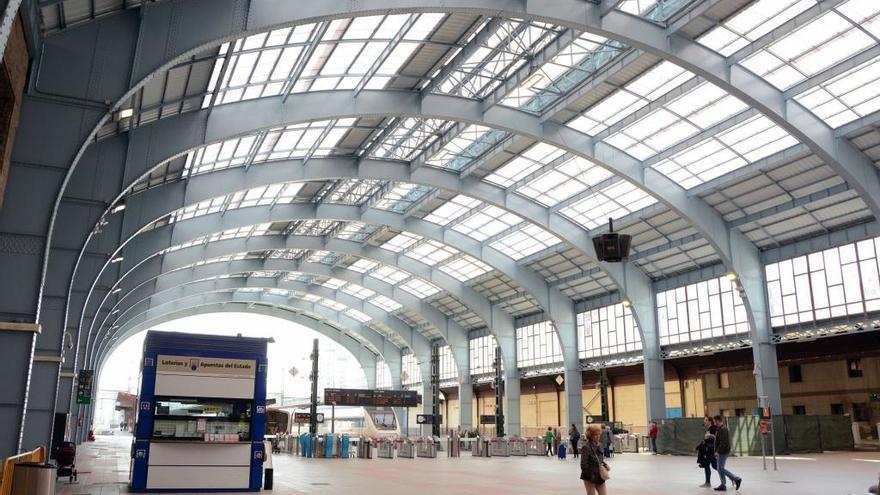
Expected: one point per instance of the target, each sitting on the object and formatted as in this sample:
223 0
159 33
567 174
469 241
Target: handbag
604 471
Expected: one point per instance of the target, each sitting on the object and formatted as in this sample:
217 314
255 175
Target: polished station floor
103 467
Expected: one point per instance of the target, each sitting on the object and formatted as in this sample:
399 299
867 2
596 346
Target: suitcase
560 451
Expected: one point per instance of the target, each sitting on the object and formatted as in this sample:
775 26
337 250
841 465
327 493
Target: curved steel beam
198 276
365 356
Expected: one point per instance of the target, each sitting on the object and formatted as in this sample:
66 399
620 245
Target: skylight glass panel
607 330
205 207
613 201
358 291
263 274
385 303
696 110
353 191
431 252
314 227
528 240
526 163
363 265
356 231
217 156
469 144
700 163
389 274
401 197
486 222
306 297
865 13
300 277
409 137
757 138
851 95
503 52
573 176
574 63
286 254
318 138
709 309
357 315
333 283
420 288
335 306
812 48
644 89
400 242
279 292
452 209
751 23
465 267
325 257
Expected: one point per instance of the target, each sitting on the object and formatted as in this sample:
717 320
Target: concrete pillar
645 310
574 382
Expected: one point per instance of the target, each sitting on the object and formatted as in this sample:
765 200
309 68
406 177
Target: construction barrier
37 455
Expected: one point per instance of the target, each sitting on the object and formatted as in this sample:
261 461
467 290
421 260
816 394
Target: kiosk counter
202 414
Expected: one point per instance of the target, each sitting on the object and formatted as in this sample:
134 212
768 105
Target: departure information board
370 398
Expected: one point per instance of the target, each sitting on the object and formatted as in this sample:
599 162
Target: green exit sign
874 397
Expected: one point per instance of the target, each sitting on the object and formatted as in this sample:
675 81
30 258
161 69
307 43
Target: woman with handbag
594 471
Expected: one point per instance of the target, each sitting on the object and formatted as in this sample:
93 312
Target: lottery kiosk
201 414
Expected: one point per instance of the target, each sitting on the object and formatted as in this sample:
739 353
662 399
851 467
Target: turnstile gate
384 449
405 449
425 447
498 447
517 446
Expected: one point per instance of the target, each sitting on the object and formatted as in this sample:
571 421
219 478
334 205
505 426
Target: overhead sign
84 387
370 398
428 419
204 366
487 419
301 418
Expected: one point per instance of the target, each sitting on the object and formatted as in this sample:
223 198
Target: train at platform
373 422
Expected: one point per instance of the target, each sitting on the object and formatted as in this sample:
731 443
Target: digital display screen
370 398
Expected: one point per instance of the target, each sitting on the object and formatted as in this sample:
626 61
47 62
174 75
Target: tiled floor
104 470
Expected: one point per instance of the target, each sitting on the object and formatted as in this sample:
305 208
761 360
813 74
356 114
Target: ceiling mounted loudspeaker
612 247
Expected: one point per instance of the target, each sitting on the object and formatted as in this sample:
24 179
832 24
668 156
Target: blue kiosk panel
201 414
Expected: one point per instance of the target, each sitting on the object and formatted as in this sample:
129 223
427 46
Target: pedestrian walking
722 452
548 439
652 433
606 441
706 451
574 438
594 470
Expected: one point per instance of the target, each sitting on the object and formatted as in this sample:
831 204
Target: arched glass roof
677 130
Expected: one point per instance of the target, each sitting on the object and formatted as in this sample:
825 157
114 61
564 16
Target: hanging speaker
612 247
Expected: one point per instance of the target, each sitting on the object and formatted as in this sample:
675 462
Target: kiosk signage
187 365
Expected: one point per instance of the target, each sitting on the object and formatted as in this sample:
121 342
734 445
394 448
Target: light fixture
117 259
116 290
626 303
731 276
533 80
124 113
119 207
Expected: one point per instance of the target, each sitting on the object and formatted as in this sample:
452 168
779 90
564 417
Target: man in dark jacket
722 451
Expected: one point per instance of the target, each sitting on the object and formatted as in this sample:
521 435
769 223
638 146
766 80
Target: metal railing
36 455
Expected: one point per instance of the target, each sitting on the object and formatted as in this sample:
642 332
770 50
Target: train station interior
440 246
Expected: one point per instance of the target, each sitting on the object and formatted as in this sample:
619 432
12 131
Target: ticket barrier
517 446
425 447
405 448
306 445
480 448
627 443
453 446
364 448
329 446
536 446
467 443
384 449
498 447
343 446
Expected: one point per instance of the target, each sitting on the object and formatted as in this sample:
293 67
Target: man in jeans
722 452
